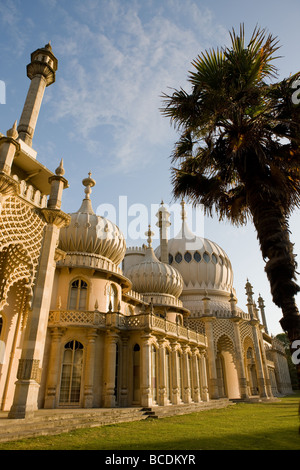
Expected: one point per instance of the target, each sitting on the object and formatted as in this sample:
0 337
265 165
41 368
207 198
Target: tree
238 152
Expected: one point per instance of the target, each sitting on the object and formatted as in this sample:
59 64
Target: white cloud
116 71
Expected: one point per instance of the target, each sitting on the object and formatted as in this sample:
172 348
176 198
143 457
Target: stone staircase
50 422
174 410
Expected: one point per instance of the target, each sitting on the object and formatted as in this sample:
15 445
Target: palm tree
238 152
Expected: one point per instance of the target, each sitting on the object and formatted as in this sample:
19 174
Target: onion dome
202 263
90 233
151 276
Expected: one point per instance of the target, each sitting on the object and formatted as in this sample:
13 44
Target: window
112 298
197 256
188 257
1 324
78 295
214 258
206 257
71 373
178 258
170 259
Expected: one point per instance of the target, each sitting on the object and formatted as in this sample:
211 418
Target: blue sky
115 59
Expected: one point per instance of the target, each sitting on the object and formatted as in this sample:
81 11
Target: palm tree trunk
277 250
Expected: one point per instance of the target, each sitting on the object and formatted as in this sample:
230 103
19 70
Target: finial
88 183
13 131
60 171
149 235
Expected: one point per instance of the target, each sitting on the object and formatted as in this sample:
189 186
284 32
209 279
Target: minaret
163 224
41 72
262 311
249 293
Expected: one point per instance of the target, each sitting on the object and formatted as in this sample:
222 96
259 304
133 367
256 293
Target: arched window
187 256
206 257
71 373
112 298
197 256
78 295
178 258
1 324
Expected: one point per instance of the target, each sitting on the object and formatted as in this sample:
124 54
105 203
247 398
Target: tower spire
163 223
86 205
41 71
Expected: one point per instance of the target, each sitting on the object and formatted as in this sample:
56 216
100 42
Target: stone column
124 372
29 372
89 369
258 360
196 378
41 71
203 377
146 392
110 369
53 378
9 149
240 359
213 378
175 384
162 389
186 376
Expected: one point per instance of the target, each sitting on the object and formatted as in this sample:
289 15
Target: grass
244 426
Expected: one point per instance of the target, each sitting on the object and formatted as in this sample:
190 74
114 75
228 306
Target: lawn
255 426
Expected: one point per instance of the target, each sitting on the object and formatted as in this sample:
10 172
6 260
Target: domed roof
202 263
154 277
91 233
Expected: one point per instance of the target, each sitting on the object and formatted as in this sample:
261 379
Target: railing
148 322
31 194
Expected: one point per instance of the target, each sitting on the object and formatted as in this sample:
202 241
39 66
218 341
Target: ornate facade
77 330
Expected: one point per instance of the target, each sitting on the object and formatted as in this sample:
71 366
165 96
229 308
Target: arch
228 381
78 294
71 373
251 371
15 265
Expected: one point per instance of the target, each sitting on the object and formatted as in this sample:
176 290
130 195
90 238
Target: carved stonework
8 185
29 370
56 217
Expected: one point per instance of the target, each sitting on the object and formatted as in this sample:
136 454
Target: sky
102 115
